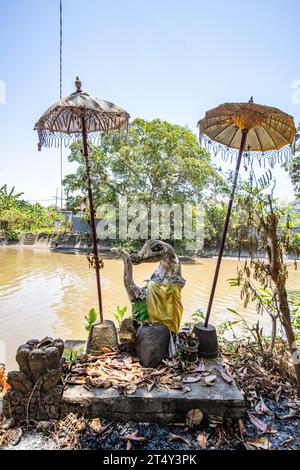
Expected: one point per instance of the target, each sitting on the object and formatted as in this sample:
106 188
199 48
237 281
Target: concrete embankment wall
70 242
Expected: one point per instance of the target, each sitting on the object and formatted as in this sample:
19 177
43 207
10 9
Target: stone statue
36 389
158 302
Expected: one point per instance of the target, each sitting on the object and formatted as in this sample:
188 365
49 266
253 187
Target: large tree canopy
155 162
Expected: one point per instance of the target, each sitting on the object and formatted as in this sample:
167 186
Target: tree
155 162
269 234
294 167
10 199
17 215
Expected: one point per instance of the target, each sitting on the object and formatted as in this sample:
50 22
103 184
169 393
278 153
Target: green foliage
294 301
12 235
147 164
90 318
293 167
197 317
226 326
70 355
156 162
17 215
120 314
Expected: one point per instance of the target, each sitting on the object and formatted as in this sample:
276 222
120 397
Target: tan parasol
253 129
72 118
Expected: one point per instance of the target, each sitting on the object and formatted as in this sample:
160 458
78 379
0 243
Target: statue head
153 250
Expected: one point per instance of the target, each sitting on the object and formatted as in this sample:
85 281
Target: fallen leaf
187 390
188 379
177 378
129 445
95 425
259 443
241 427
201 439
194 417
175 437
200 367
76 380
133 437
210 379
226 377
215 420
107 349
262 408
150 386
131 389
278 393
3 384
15 436
292 414
289 440
258 423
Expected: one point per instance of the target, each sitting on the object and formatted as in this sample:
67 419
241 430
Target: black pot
208 341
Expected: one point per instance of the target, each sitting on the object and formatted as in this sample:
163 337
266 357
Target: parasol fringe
270 157
49 139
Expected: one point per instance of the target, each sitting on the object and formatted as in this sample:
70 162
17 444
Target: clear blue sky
171 59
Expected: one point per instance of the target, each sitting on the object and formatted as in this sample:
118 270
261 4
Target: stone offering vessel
36 389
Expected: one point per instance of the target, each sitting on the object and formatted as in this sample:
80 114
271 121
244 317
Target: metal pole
234 185
92 215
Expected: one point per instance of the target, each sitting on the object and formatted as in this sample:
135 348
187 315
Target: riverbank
78 244
272 417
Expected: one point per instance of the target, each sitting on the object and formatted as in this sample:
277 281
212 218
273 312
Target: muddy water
46 293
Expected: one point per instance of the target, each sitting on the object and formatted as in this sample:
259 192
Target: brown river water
45 293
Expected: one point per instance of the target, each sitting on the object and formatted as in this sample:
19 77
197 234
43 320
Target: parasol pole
234 185
92 215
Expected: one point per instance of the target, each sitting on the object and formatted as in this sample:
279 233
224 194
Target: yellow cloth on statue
164 304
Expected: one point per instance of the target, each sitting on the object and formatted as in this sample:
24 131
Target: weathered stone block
152 343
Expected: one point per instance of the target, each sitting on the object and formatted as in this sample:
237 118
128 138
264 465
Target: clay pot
189 353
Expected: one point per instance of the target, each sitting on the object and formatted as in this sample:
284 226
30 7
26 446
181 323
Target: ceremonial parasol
73 118
256 131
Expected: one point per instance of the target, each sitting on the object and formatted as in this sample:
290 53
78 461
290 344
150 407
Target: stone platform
159 405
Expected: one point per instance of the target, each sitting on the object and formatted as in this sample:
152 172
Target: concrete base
159 405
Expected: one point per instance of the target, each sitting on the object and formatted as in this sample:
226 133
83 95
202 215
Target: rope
60 95
60 48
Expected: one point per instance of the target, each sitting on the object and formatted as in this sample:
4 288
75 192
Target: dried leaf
215 420
95 425
262 408
76 381
3 384
188 379
241 427
226 377
292 414
133 437
210 379
150 386
201 439
194 417
129 445
175 437
259 443
278 393
107 349
200 367
131 389
187 390
15 436
258 423
287 441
